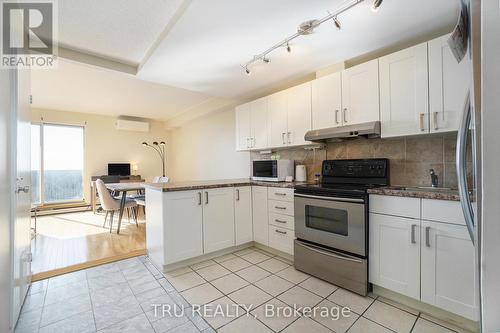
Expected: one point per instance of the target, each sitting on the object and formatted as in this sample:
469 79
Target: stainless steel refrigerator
481 128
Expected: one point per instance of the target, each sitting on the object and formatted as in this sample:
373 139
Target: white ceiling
205 49
195 59
82 88
119 29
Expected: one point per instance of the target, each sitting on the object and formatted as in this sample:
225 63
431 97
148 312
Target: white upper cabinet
360 94
242 114
448 269
449 82
278 126
258 123
404 102
327 101
299 113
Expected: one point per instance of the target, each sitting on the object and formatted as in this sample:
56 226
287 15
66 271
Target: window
57 163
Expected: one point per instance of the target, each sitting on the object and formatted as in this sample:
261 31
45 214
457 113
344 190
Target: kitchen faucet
434 178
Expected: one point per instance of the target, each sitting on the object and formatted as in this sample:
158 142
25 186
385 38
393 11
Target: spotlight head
145 144
155 143
247 71
162 143
376 5
288 48
337 23
266 60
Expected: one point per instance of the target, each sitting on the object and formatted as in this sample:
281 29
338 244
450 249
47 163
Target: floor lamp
160 149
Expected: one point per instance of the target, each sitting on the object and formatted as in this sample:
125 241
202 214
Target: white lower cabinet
243 215
218 219
281 239
395 254
259 215
448 269
431 261
183 225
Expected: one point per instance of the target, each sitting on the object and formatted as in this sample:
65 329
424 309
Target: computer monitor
118 169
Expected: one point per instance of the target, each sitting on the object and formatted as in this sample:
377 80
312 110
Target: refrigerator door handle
465 199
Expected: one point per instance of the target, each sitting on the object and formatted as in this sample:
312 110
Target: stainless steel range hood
367 130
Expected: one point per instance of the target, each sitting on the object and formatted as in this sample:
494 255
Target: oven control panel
356 170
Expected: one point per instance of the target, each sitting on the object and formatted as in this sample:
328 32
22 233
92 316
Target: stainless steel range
331 222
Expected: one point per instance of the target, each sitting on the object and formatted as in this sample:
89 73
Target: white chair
111 205
141 200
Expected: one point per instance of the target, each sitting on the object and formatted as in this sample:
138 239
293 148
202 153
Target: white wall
204 149
104 144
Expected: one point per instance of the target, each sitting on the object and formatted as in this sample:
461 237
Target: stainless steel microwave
272 170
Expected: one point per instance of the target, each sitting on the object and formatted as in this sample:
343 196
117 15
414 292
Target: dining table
123 188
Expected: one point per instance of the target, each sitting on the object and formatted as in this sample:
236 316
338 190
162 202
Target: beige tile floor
118 297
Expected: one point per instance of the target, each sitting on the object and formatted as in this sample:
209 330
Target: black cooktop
348 178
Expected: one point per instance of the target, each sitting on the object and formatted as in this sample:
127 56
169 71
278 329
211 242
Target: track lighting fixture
307 28
376 5
337 22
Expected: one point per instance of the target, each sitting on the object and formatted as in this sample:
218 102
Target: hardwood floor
74 241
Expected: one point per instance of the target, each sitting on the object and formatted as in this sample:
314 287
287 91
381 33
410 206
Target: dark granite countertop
198 185
414 192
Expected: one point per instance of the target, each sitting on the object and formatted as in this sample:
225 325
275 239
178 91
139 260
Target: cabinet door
281 239
259 123
299 113
449 82
404 94
448 269
218 219
243 215
183 229
259 215
242 116
278 119
395 254
327 101
360 94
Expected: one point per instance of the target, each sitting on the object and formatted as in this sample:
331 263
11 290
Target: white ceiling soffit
119 30
204 50
82 88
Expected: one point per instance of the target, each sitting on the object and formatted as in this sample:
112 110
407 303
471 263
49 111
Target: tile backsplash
410 157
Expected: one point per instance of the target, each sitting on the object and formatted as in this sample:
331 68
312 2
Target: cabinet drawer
281 220
397 206
281 207
283 194
281 239
442 211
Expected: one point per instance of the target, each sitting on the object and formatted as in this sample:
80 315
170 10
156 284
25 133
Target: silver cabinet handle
337 116
280 194
345 115
279 207
463 189
206 198
422 125
428 236
237 194
199 198
435 120
288 136
248 144
413 228
283 138
280 232
279 221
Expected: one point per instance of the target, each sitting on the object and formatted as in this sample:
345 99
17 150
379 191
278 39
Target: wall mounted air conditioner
132 125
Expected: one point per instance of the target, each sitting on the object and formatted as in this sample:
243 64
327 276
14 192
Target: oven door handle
330 198
328 253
